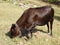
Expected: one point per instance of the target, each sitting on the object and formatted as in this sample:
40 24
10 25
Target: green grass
9 13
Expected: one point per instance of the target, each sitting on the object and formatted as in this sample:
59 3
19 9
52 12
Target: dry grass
9 13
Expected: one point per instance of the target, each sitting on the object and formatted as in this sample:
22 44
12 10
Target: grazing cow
31 18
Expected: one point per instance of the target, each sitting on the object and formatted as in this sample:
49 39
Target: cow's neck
21 23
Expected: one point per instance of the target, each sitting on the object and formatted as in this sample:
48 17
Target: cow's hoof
50 34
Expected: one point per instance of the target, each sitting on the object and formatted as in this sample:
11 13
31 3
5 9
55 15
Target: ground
9 13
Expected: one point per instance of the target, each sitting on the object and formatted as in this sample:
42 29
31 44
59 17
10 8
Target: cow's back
40 15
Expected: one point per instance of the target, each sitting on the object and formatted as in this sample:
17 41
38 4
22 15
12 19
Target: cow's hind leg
51 23
48 27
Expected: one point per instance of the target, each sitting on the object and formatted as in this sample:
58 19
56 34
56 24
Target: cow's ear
13 25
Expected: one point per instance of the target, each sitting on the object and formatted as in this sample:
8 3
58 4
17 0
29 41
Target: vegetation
9 13
53 1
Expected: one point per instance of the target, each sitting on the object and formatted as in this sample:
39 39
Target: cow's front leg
48 27
29 29
26 34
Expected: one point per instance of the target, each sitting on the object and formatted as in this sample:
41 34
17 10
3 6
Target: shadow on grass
57 18
35 30
55 3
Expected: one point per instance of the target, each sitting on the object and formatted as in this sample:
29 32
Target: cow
32 17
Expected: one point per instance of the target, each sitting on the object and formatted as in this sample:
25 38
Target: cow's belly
41 24
43 21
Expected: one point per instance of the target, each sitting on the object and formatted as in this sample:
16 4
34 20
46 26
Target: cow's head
14 31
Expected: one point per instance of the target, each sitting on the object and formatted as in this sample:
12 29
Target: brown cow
31 18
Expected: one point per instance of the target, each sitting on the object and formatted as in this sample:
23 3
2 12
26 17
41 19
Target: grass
9 13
